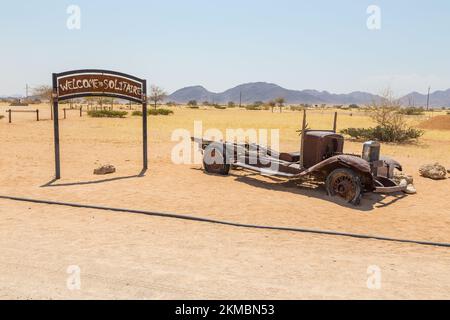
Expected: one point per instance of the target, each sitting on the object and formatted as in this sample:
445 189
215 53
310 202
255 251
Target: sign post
97 83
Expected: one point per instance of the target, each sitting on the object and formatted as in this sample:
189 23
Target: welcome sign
97 83
80 84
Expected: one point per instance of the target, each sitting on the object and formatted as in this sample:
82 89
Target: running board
264 171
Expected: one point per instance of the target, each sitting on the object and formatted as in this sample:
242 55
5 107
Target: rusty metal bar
335 122
56 127
302 147
144 125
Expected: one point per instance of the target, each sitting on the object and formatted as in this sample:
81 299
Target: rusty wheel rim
343 186
214 167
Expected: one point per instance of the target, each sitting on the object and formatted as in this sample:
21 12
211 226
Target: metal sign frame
114 92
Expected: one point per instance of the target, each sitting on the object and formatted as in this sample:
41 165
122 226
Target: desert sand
133 256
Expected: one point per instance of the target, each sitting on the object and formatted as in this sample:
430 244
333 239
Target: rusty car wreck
322 156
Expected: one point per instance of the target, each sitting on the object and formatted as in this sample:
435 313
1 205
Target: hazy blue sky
322 45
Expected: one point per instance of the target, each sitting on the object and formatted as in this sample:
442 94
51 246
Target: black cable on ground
234 224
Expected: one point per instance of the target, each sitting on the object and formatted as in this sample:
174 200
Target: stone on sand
433 171
106 169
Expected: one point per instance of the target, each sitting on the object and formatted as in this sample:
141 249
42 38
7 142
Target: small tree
192 103
280 102
272 104
157 94
231 104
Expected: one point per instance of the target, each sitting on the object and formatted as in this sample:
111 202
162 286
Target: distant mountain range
263 91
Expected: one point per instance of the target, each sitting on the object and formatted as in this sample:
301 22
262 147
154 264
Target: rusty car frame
321 156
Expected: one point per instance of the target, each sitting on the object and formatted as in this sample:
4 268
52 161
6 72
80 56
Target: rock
433 171
410 189
402 176
107 169
403 183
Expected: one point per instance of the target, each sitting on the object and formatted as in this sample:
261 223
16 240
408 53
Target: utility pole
26 91
428 98
240 99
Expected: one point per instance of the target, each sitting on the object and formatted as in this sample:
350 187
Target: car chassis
321 155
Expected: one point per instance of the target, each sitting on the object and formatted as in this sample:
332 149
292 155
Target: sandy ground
130 256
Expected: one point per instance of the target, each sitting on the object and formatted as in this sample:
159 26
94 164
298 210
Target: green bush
159 112
253 107
296 108
386 134
18 104
107 114
154 112
412 111
192 103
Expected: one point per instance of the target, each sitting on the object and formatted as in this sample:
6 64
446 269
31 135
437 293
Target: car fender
346 161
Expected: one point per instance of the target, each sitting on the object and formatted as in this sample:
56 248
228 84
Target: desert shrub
107 114
154 112
192 103
387 134
171 104
159 112
1 117
231 104
296 108
252 107
353 106
391 124
218 106
18 104
412 111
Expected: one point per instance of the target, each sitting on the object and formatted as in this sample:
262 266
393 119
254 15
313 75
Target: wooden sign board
97 83
81 84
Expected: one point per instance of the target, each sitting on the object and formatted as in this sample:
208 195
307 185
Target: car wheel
214 161
346 184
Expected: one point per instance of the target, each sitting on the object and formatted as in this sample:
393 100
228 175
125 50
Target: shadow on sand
313 189
52 183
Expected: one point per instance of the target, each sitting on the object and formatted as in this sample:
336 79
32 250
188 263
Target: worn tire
346 184
210 166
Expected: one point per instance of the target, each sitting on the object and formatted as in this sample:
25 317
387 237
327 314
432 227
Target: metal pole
144 124
240 99
335 122
37 114
9 117
428 98
302 147
64 109
56 128
81 111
